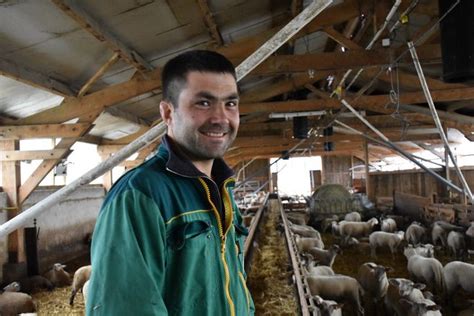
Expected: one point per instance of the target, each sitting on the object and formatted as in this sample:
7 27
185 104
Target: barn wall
414 182
4 240
64 228
336 170
259 170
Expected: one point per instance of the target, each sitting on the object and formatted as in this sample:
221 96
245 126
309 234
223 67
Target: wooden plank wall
260 169
414 182
336 170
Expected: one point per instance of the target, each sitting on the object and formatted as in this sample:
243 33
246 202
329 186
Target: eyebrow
210 96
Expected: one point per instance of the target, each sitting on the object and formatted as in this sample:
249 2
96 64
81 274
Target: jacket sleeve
128 257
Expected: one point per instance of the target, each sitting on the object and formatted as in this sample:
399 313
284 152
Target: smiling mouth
211 134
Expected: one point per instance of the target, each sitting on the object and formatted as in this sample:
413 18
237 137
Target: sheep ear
419 286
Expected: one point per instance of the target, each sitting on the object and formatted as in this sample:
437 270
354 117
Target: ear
166 109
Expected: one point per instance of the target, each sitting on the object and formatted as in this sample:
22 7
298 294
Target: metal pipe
293 27
434 113
394 146
243 167
21 219
244 68
390 14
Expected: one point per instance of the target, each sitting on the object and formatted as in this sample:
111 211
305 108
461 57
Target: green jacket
168 241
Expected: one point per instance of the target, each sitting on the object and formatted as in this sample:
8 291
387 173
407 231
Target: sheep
470 230
327 307
458 274
312 269
81 276
415 233
361 246
357 229
456 243
58 276
338 288
33 283
423 308
388 225
14 303
373 279
353 217
384 239
304 230
327 222
426 250
401 288
85 291
429 270
12 287
440 231
324 257
304 243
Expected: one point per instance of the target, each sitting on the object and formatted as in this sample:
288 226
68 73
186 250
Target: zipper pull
223 245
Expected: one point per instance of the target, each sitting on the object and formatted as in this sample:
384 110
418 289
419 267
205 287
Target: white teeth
215 134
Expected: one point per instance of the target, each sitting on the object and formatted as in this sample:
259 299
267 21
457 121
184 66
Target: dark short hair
175 72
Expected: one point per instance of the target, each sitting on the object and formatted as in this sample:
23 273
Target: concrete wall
64 228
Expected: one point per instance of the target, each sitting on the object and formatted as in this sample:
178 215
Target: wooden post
107 178
11 180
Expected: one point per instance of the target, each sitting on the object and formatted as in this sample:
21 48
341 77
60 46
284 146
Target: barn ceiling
97 64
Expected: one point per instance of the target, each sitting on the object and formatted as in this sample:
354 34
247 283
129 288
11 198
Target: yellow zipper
223 247
244 284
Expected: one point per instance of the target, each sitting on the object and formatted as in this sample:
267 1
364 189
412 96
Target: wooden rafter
127 116
334 61
112 60
34 78
21 155
42 131
210 22
91 25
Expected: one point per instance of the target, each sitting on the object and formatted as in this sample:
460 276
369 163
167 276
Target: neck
205 166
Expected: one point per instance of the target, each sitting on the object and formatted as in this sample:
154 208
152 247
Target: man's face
205 120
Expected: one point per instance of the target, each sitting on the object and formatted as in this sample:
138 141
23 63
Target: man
169 238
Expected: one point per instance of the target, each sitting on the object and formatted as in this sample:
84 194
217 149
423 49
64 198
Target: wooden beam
210 23
91 25
97 101
42 131
34 78
112 60
17 155
295 82
11 180
334 61
127 116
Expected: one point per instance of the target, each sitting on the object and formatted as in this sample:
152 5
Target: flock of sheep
15 298
383 295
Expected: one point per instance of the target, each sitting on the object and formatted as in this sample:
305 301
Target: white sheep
470 230
399 288
14 303
458 274
423 308
415 233
357 229
361 246
327 307
81 276
305 243
304 230
428 270
324 257
340 288
58 276
373 279
353 217
12 287
314 270
456 243
388 225
384 239
426 250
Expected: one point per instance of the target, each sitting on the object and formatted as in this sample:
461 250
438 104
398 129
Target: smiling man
169 238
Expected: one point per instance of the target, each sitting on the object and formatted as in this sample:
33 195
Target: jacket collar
177 162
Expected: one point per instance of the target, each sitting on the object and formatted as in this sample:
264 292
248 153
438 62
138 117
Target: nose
219 114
